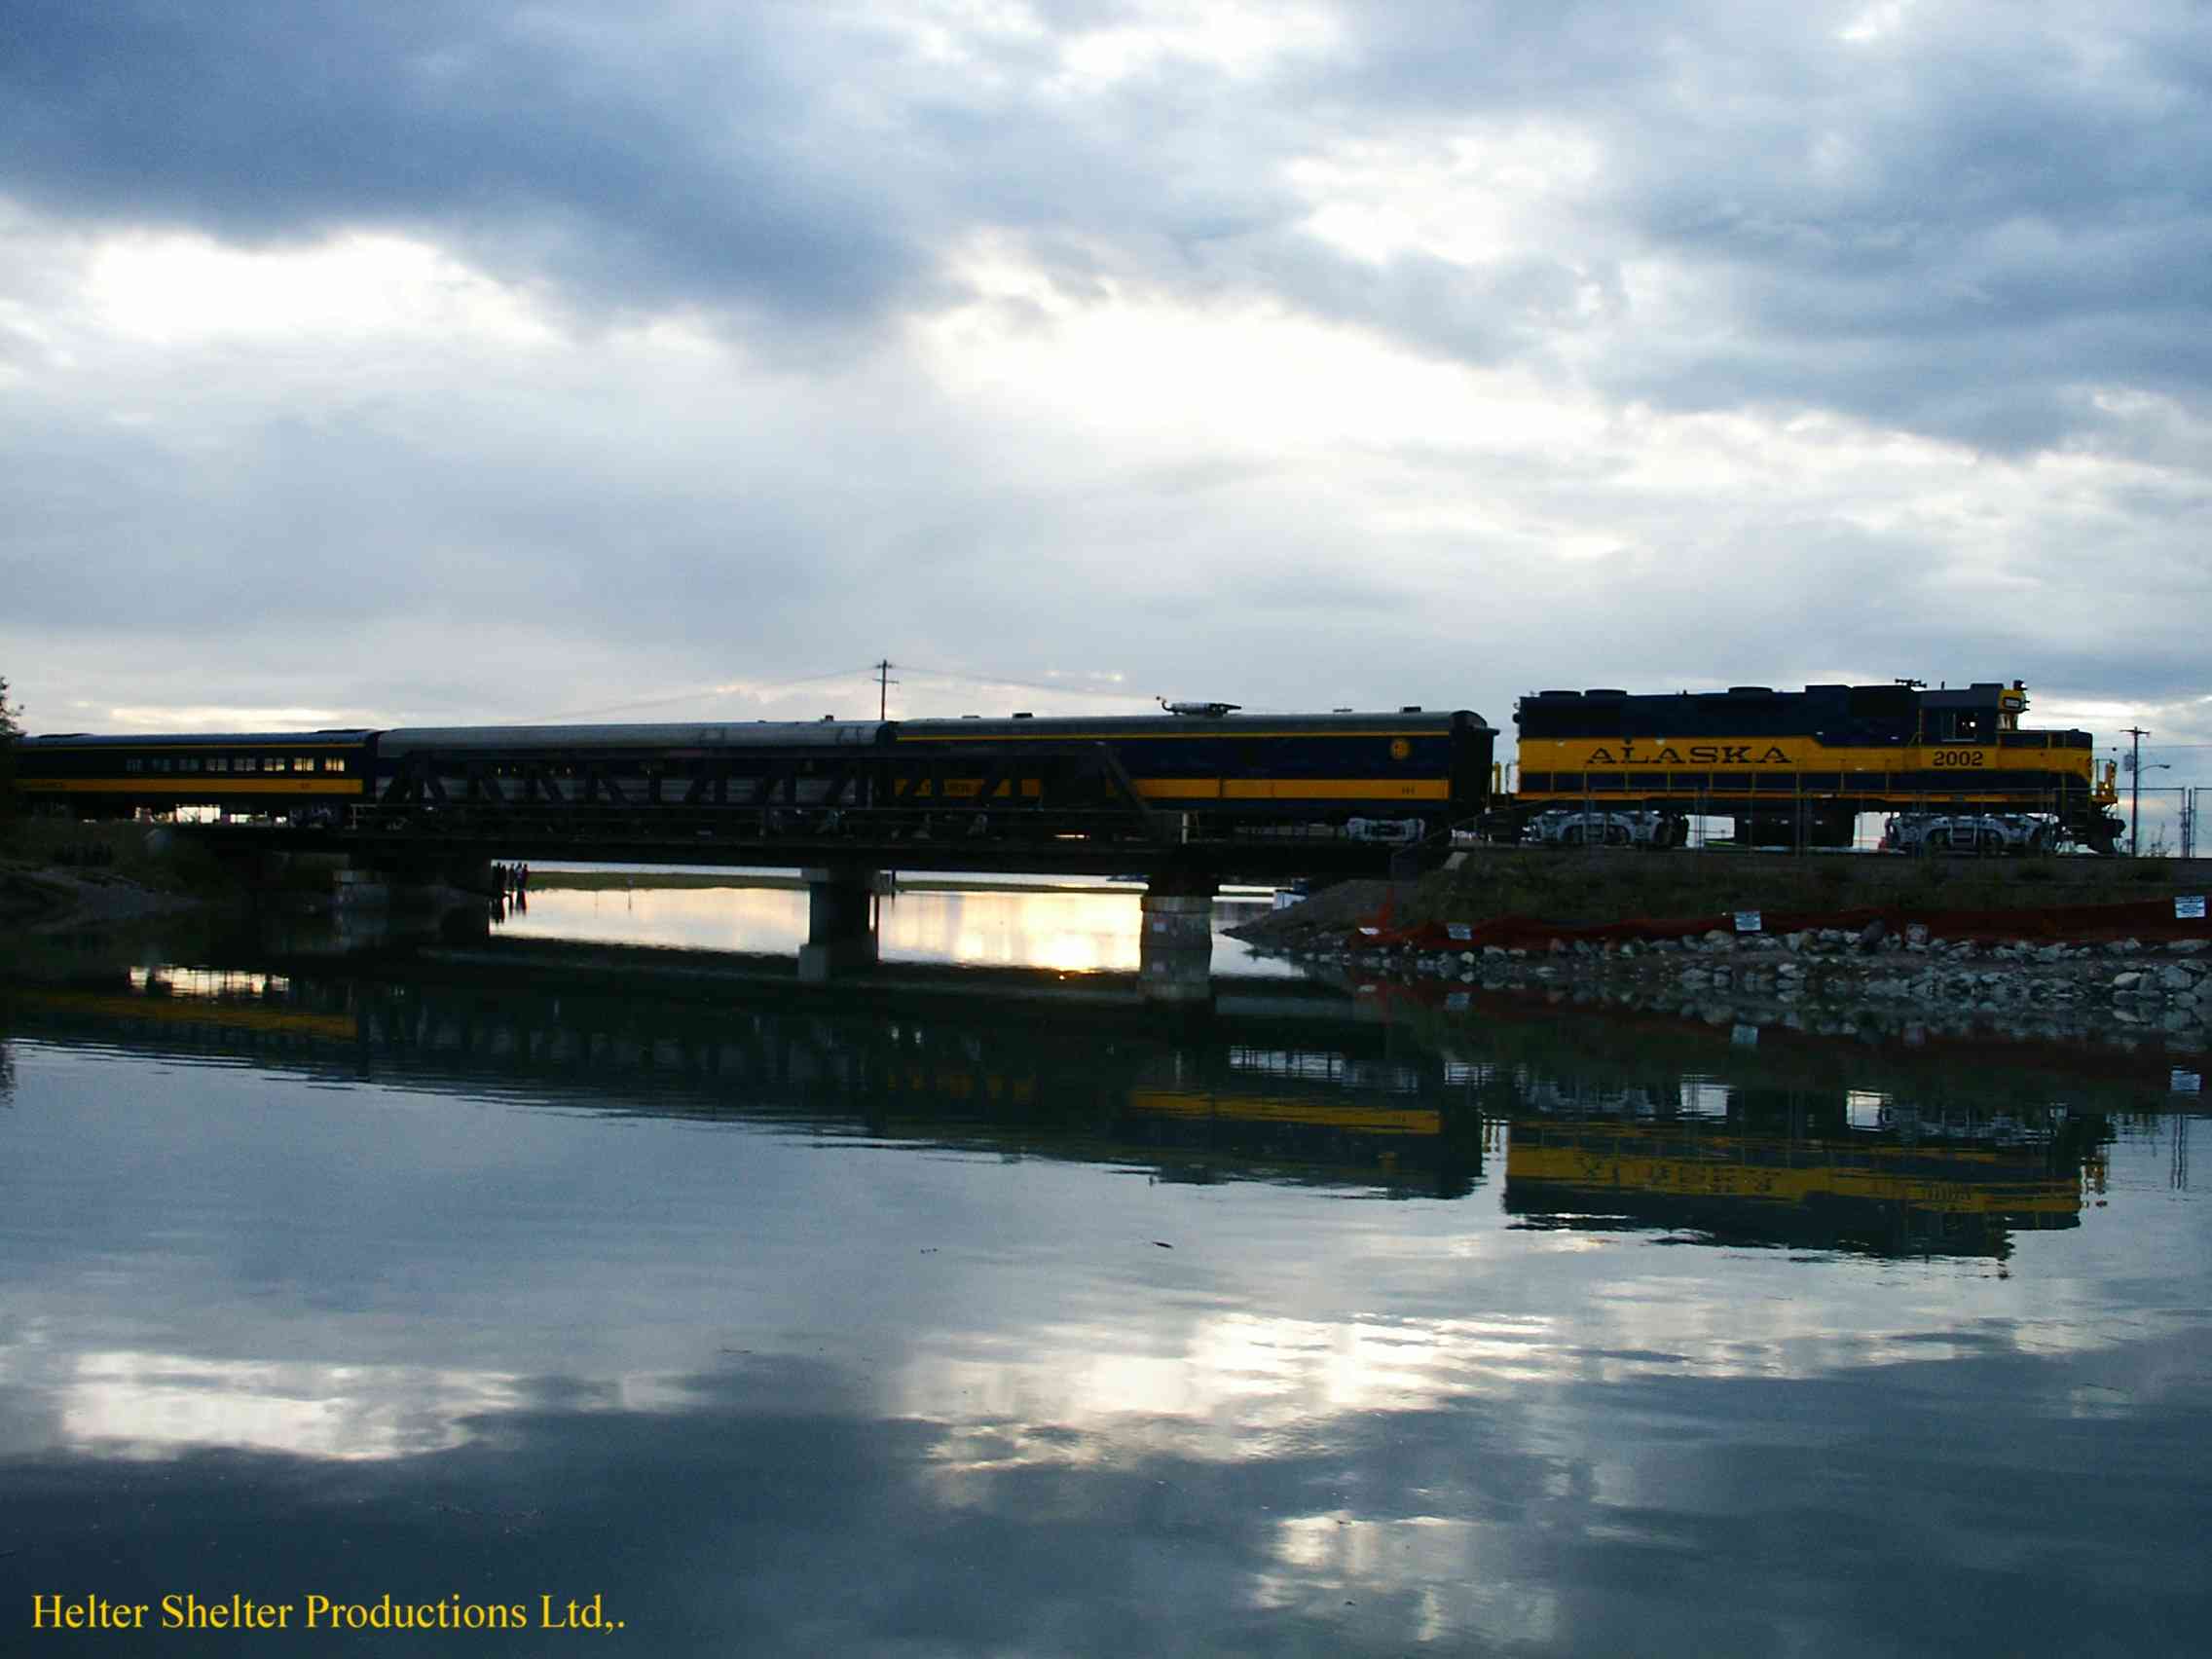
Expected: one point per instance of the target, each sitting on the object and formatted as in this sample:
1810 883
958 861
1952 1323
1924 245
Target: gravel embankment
1832 979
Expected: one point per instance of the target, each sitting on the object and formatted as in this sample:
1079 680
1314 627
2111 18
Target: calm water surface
983 1311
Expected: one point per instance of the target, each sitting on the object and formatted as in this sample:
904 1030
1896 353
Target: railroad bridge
427 837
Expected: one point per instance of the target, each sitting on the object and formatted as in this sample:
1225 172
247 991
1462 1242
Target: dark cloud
639 166
1969 201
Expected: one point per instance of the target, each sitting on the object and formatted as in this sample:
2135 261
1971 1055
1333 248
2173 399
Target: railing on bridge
1041 792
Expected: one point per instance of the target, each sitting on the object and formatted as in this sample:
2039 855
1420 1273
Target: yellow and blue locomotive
1953 770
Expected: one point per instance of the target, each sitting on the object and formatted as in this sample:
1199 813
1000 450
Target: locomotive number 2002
1962 757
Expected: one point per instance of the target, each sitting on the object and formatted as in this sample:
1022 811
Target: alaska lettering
1689 755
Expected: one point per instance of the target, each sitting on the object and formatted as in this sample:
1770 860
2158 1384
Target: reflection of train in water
1892 1181
1305 1091
1292 1098
1955 769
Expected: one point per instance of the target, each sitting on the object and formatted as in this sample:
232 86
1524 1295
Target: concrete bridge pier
1175 947
840 922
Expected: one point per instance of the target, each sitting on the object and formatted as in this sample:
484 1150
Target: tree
9 732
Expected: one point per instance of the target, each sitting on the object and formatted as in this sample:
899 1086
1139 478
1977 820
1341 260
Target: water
1072 930
987 1310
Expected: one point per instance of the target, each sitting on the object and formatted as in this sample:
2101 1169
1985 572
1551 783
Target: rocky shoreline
1867 981
49 901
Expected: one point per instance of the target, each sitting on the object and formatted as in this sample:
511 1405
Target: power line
730 688
878 671
1025 685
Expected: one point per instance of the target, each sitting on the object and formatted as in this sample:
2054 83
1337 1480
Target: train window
273 763
189 764
135 766
334 764
303 764
161 764
244 763
218 763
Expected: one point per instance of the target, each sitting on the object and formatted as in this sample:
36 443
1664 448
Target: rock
2188 947
1872 934
2176 978
2125 982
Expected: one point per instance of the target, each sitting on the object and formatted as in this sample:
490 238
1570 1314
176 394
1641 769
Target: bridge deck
1245 858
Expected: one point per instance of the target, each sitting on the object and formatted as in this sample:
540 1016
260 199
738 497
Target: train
1951 770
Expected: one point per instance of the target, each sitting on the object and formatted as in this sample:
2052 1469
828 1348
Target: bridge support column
840 922
1175 949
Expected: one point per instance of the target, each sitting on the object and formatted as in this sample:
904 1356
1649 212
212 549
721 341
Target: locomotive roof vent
1542 694
1023 715
1604 691
1204 711
1750 690
1409 708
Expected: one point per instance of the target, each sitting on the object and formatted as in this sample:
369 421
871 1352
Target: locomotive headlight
1400 749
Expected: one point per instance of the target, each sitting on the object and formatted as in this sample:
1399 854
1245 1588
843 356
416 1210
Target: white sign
2189 907
1745 1036
1466 930
2186 1083
1746 921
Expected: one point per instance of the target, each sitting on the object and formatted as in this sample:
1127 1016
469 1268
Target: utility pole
883 684
2135 793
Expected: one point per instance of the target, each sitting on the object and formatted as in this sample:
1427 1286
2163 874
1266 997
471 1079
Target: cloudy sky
428 362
